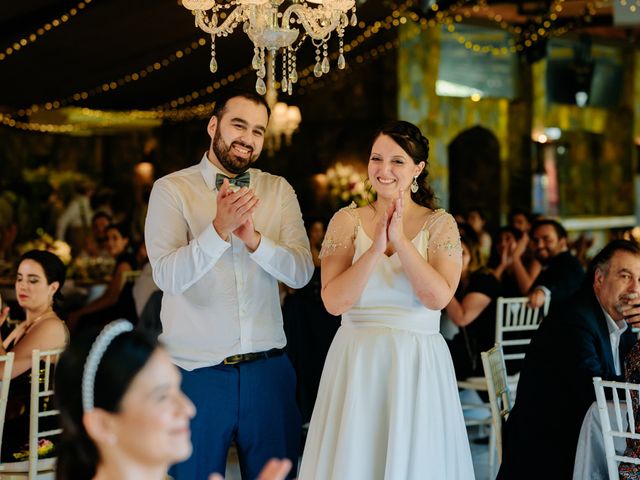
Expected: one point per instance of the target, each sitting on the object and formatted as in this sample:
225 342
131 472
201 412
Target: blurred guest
561 274
309 328
124 415
144 289
586 336
40 277
74 222
520 219
477 220
473 309
96 245
117 300
501 261
630 471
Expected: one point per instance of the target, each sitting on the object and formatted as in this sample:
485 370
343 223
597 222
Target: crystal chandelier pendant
261 87
342 63
325 65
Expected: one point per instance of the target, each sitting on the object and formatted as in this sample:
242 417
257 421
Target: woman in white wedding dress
388 405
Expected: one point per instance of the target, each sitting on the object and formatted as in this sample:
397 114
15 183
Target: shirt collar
209 171
615 328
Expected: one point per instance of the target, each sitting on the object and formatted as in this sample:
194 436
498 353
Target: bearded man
220 236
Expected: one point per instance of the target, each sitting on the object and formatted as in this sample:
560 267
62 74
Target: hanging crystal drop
290 89
341 62
354 19
293 78
213 66
284 84
317 70
261 88
255 63
325 65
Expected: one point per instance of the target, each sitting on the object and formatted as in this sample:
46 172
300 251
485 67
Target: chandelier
272 30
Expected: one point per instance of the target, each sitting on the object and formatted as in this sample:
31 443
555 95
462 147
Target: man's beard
230 162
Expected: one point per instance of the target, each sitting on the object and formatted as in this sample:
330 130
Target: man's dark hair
557 226
223 99
518 211
602 259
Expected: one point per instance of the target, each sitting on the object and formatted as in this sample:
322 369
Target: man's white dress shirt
219 299
616 329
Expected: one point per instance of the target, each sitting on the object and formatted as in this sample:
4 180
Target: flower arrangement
46 449
47 242
346 185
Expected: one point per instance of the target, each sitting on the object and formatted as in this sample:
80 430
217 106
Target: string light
633 6
47 27
176 109
115 84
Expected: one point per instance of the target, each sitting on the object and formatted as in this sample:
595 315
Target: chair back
516 323
41 403
500 402
617 418
6 362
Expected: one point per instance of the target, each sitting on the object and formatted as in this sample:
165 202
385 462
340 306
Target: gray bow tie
241 180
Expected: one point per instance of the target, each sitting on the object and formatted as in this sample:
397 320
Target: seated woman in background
40 277
473 309
117 300
510 245
131 421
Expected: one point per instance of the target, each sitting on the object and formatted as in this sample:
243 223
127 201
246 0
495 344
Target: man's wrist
255 241
221 233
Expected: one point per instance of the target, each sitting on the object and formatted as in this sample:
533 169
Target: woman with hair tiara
388 405
131 421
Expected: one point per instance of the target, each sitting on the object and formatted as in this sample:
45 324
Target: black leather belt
250 357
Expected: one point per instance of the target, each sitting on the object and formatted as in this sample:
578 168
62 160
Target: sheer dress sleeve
444 237
341 233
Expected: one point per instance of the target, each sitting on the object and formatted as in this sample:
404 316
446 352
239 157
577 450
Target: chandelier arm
313 29
210 25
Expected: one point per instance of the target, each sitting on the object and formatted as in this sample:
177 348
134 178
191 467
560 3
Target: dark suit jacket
556 389
563 276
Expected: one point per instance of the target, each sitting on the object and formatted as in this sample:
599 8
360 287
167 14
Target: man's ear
213 124
99 424
598 277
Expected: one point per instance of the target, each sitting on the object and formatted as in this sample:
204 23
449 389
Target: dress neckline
417 235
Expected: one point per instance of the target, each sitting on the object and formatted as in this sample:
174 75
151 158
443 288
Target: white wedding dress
388 405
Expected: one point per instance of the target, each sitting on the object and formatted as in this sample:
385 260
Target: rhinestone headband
100 345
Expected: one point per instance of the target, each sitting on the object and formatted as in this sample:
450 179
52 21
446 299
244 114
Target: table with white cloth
591 460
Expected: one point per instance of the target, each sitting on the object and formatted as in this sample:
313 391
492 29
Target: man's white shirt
219 299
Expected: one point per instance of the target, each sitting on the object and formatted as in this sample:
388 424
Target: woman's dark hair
125 356
494 256
410 139
54 270
474 251
121 228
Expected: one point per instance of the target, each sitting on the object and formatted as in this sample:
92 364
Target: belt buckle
233 359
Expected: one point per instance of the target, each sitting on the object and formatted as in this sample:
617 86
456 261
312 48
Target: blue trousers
251 403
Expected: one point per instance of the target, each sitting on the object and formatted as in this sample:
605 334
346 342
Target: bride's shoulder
438 216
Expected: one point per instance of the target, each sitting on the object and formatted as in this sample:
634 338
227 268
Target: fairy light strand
27 40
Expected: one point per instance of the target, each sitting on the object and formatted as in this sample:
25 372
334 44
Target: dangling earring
414 185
